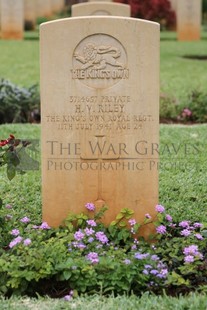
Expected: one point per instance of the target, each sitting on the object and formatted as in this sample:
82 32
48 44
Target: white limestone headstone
44 8
100 8
173 4
189 20
57 5
12 19
99 116
100 1
30 13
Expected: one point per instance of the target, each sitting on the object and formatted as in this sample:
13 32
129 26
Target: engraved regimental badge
99 61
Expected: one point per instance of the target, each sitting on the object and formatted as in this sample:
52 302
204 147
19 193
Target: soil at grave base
54 289
49 287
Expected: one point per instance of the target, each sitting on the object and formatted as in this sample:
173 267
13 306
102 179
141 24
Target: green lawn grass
146 302
20 60
178 75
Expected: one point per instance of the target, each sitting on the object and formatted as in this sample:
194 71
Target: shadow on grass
168 39
31 39
195 57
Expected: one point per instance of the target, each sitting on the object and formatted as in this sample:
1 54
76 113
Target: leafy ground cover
146 302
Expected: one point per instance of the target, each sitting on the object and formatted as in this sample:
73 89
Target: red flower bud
5 142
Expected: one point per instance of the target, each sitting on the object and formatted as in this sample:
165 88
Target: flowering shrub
193 110
84 256
154 10
196 109
17 104
10 154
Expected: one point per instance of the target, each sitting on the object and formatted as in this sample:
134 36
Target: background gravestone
174 8
44 8
30 14
100 116
100 0
57 5
173 4
188 20
12 19
100 8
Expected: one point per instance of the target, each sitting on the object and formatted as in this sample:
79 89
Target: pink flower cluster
191 252
159 209
18 240
69 296
186 113
90 206
189 229
93 257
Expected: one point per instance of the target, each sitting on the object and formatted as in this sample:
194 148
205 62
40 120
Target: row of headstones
14 14
101 8
188 15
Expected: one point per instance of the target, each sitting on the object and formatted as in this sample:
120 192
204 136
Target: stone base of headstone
11 35
189 20
187 34
12 19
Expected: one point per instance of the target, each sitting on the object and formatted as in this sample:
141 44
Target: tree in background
155 10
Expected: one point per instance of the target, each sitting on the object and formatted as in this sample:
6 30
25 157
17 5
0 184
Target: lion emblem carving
98 57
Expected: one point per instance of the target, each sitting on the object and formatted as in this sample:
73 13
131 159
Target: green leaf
101 212
113 223
1 202
67 274
127 211
119 216
122 224
160 217
136 227
11 171
15 159
128 216
204 233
